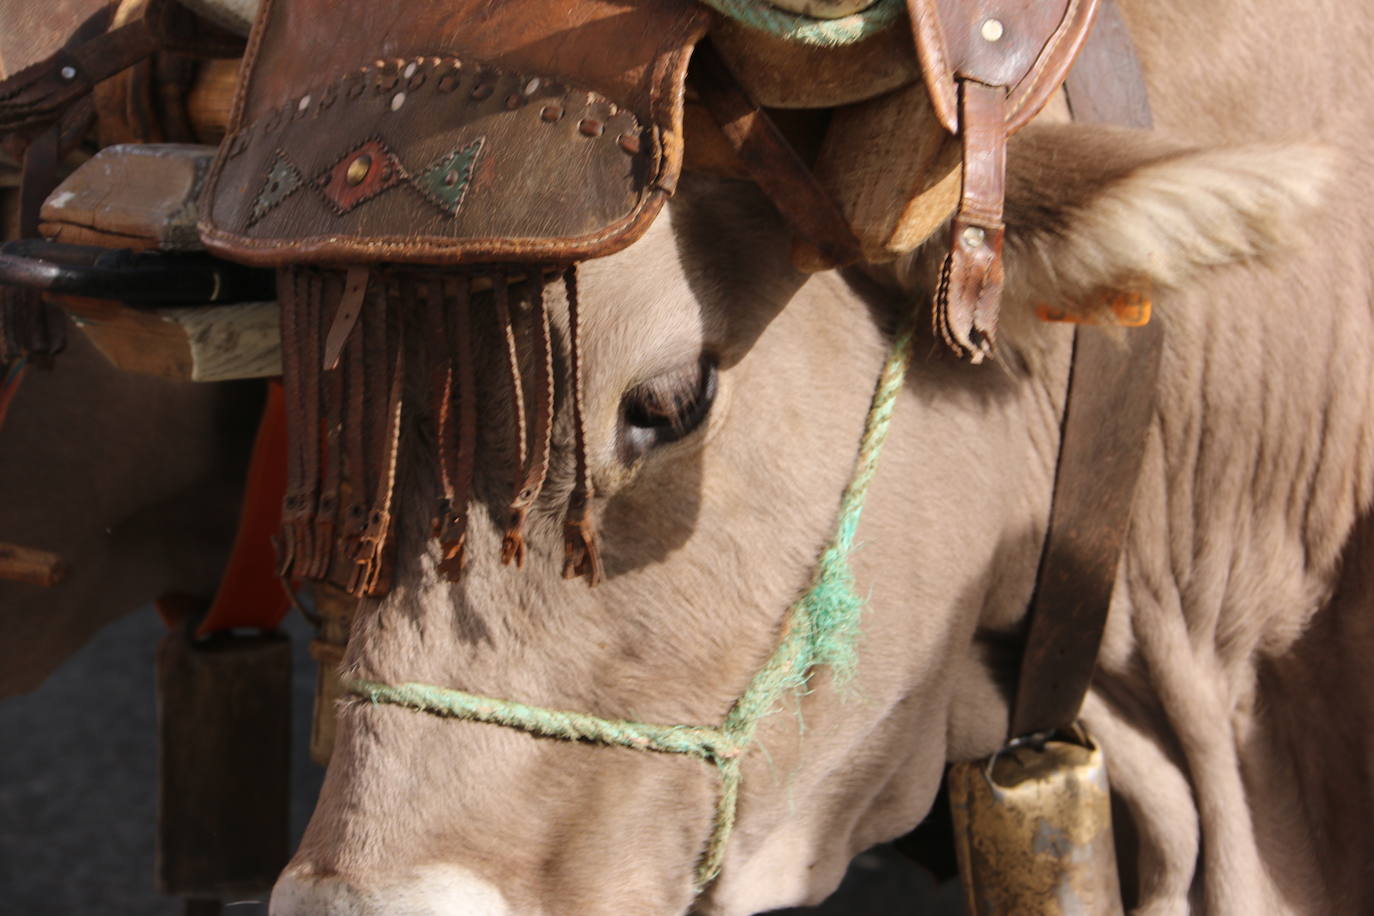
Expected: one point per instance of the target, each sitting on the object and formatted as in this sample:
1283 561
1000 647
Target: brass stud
993 30
358 169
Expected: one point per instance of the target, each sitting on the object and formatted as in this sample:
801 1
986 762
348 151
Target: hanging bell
1033 829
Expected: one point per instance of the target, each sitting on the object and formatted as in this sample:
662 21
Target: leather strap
990 66
772 162
1113 390
970 293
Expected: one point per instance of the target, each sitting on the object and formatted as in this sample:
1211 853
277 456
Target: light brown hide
1234 714
133 481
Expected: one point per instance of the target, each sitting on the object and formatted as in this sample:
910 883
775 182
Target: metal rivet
532 86
410 69
974 237
551 113
358 169
68 73
629 143
451 178
397 101
993 30
483 91
590 127
514 101
304 103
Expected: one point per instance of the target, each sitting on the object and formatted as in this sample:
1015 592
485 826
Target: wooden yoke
989 67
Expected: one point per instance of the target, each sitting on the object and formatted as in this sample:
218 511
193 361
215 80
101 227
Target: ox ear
1093 211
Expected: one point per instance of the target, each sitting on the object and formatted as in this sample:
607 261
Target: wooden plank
202 344
140 196
211 99
35 567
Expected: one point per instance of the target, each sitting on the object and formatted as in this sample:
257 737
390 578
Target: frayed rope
820 628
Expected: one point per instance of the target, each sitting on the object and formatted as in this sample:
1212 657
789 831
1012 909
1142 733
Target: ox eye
667 408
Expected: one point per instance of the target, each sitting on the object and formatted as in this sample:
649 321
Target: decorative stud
551 113
445 183
629 143
532 86
482 91
591 127
993 30
973 237
397 101
283 179
358 169
364 173
410 69
68 73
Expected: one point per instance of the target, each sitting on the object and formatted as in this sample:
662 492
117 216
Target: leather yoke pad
1026 46
456 132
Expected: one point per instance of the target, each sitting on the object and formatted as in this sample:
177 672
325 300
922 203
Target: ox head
725 396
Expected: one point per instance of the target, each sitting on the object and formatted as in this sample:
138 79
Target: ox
1228 695
724 395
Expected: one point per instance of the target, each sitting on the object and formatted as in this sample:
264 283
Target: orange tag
1127 309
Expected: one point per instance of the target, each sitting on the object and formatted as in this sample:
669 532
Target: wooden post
223 764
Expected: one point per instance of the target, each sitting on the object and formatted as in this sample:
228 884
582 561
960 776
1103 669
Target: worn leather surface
1037 44
521 130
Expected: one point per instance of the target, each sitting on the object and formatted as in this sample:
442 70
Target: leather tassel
513 544
580 555
371 573
458 442
293 337
536 470
354 520
312 289
327 512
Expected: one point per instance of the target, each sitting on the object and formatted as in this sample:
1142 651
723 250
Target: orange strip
1128 310
251 594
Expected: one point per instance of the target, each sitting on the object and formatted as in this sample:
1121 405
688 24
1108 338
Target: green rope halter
820 628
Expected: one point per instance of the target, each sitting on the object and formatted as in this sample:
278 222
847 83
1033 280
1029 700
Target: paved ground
77 794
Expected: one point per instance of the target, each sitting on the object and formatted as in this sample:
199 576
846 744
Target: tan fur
1232 695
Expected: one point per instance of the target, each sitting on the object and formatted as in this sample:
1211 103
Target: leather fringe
345 395
580 555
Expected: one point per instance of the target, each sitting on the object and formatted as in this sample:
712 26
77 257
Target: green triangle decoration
283 180
445 183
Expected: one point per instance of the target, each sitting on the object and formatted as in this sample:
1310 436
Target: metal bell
1033 829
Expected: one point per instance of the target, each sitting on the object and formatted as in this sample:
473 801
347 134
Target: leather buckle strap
966 304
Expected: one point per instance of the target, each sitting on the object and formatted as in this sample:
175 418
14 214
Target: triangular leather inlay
445 183
283 179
